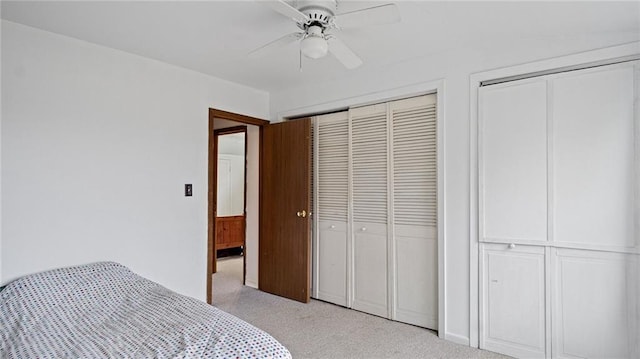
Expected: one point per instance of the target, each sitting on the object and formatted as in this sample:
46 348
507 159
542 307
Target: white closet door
595 166
594 304
370 186
593 158
224 198
513 300
513 161
332 195
578 132
414 201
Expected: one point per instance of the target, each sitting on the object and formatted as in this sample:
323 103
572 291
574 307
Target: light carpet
322 330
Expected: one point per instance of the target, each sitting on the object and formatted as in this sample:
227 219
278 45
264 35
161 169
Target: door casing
212 185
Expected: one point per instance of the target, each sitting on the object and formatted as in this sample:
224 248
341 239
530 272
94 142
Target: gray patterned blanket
104 310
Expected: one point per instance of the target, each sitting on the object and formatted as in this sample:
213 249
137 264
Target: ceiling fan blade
343 53
286 10
377 15
275 45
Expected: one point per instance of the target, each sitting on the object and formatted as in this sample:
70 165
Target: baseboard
250 283
458 339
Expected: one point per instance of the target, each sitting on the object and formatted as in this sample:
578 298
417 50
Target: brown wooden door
285 244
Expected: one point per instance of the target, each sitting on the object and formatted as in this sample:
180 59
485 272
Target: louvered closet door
332 136
370 187
414 201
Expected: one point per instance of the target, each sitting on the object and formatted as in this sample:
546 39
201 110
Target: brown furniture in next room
230 232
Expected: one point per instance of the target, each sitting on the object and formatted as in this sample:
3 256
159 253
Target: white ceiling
214 37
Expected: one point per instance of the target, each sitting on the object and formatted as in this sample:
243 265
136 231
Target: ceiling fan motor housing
317 20
319 12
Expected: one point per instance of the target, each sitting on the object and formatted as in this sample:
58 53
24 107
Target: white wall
1 76
455 68
97 145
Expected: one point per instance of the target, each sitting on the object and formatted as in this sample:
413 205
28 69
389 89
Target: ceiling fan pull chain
300 54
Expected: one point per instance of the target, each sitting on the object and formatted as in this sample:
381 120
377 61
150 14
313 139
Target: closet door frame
433 87
611 55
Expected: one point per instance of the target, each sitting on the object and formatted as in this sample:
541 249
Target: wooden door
285 244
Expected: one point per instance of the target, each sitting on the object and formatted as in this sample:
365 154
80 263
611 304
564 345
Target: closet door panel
513 300
332 196
370 268
224 198
513 161
415 210
594 304
417 276
332 273
369 147
593 157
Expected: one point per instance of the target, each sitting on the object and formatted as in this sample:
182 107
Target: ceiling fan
318 21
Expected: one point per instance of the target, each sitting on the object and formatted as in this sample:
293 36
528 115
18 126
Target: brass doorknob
302 214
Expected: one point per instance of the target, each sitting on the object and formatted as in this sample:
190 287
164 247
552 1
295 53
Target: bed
104 310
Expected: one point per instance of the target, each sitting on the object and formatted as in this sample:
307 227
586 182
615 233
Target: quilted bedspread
104 310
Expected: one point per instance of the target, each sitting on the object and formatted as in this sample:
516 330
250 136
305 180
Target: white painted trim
564 244
563 70
251 284
314 214
437 87
361 100
547 303
392 285
351 269
474 320
458 339
2 281
634 305
481 296
551 139
635 267
586 58
583 58
636 144
441 185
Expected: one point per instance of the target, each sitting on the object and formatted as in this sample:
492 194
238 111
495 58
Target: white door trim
580 60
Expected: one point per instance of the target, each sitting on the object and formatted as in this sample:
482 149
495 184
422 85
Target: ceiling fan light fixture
314 47
313 17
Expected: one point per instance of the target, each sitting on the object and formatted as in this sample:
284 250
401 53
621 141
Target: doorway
230 208
283 261
221 122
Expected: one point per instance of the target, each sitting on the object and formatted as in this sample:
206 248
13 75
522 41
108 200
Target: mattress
104 310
